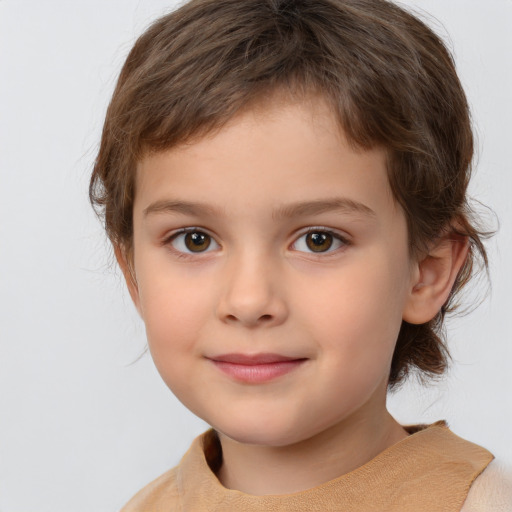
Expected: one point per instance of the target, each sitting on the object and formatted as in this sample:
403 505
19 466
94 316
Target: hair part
390 81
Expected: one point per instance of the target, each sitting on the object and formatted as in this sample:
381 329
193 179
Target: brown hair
390 81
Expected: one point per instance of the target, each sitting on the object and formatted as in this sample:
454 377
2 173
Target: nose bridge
252 293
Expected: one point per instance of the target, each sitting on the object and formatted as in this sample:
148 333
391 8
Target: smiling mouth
257 368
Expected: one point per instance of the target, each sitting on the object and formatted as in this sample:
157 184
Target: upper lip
253 359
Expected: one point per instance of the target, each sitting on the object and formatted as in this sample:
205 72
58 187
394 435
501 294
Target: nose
252 293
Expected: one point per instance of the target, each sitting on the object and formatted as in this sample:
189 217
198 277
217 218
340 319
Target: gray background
81 427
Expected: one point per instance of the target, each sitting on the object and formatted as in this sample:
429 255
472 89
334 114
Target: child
284 184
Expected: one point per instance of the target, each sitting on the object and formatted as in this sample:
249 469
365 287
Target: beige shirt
492 490
432 470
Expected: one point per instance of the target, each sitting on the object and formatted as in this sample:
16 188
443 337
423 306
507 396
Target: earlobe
124 261
434 278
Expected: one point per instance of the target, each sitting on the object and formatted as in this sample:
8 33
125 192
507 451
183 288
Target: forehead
275 153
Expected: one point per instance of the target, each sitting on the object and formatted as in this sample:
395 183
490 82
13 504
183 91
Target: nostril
265 318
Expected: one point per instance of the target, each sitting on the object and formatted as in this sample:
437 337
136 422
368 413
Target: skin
253 190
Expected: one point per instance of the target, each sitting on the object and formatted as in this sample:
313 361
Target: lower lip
258 373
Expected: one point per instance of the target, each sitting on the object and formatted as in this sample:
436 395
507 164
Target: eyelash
185 231
335 236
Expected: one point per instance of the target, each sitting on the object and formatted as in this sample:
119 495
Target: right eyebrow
183 207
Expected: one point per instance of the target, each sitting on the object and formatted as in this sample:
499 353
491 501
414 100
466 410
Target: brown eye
197 241
319 242
193 241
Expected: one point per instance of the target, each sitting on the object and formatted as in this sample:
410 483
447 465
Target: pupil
197 242
319 242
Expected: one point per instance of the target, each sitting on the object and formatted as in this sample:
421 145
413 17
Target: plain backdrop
83 423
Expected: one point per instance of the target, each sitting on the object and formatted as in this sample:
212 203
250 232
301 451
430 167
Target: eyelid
338 235
170 238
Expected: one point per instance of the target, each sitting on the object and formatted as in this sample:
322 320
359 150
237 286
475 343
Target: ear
125 261
434 277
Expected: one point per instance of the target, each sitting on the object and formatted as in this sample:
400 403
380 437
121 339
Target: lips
252 359
256 368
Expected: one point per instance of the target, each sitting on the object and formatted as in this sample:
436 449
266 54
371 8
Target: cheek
174 312
358 313
173 327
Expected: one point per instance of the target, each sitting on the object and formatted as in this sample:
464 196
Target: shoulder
491 491
158 496
168 492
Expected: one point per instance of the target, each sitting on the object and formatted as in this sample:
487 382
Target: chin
258 437
262 433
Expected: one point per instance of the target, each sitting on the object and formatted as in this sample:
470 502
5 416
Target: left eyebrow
339 204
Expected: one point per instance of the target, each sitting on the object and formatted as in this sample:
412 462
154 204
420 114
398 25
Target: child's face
272 242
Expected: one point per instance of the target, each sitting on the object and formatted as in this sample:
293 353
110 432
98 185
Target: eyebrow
339 204
184 207
299 209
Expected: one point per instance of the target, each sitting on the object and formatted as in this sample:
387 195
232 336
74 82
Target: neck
263 470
